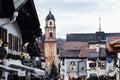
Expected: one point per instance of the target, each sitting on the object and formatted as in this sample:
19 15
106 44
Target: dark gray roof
50 16
87 37
70 54
81 37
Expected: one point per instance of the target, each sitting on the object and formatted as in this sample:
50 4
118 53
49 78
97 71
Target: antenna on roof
99 24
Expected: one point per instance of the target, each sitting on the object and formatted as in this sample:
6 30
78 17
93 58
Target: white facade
91 69
12 28
93 46
97 69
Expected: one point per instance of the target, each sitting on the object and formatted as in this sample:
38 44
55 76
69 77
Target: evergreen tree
53 71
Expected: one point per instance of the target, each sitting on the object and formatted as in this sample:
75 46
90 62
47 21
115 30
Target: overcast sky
80 16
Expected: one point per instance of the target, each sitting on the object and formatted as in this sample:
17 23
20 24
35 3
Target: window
10 41
51 35
19 45
102 65
92 65
3 34
50 23
14 42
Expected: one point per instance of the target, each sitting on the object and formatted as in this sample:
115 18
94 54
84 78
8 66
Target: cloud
76 16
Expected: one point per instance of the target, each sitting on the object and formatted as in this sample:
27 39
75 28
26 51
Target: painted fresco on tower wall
50 55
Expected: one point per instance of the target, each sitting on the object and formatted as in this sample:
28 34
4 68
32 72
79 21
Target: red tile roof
71 54
85 52
75 45
113 38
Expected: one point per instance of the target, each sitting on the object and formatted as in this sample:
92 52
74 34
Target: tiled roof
75 45
85 52
71 54
60 43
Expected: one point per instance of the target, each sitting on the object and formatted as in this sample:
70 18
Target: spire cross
49 11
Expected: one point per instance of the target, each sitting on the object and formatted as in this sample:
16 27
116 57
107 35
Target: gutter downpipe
15 15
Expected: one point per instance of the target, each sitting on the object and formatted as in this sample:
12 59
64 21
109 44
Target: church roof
50 16
88 36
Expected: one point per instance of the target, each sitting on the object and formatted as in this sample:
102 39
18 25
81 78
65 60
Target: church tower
50 42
